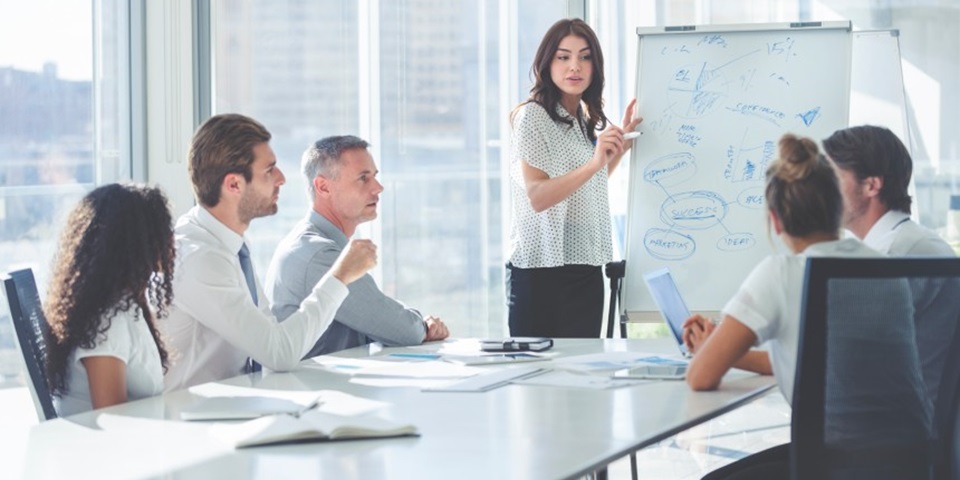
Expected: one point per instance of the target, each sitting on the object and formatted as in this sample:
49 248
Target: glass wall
420 80
428 84
64 128
46 137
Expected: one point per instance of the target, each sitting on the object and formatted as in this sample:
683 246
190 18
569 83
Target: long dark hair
803 189
546 93
116 252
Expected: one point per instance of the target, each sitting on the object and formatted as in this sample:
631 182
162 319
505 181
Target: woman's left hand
630 123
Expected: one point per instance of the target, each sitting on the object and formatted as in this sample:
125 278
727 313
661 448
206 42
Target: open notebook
312 426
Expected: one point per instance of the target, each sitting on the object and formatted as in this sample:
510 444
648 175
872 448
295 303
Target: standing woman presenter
560 237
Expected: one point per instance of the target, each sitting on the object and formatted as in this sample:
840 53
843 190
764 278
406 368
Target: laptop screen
667 297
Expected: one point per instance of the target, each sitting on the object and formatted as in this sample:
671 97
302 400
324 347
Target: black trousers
557 302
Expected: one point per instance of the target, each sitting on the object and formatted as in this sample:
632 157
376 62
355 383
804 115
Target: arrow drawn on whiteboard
809 116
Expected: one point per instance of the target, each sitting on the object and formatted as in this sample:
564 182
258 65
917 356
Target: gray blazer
367 315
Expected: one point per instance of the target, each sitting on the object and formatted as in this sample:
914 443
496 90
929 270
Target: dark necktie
248 271
244 254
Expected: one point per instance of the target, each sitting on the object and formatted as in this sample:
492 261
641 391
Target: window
46 137
420 80
64 128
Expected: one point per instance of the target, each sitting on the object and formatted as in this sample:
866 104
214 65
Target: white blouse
575 231
769 302
128 339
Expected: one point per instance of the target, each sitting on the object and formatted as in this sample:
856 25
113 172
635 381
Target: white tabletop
515 431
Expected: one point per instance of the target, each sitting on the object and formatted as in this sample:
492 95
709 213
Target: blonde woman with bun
805 209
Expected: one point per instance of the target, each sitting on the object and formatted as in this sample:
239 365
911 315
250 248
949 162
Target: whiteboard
715 100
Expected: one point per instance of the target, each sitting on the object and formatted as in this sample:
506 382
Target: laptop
674 311
671 305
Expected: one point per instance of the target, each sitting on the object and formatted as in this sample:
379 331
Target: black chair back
31 328
947 414
861 408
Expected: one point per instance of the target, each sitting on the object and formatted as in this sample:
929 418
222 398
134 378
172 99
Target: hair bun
798 157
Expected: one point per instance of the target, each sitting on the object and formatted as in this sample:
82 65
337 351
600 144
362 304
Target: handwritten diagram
686 211
714 106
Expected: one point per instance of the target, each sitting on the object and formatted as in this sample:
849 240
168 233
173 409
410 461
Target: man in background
874 168
344 193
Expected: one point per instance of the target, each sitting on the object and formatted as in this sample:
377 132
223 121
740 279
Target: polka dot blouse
575 230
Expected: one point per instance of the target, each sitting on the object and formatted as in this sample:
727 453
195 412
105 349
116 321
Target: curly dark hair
546 93
116 252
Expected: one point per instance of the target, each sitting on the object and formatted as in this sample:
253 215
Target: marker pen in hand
631 135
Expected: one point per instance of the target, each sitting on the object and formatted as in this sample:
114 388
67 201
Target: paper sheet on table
559 378
371 367
332 401
614 361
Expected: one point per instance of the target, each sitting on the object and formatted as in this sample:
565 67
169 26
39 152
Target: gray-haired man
344 191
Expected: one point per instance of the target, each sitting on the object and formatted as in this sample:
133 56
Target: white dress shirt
896 235
214 325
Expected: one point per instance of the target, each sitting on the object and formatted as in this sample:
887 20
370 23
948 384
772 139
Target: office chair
860 405
947 412
32 330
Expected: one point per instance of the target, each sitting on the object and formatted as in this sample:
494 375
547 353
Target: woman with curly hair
111 281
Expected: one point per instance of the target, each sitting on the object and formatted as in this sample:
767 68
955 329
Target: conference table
510 432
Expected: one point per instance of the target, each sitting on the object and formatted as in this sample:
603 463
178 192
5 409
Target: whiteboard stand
615 271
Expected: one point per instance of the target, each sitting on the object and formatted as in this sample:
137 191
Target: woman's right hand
355 260
610 145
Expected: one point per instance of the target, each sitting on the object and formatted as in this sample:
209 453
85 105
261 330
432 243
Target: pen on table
310 406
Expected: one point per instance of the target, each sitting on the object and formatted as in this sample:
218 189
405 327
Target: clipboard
517 344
